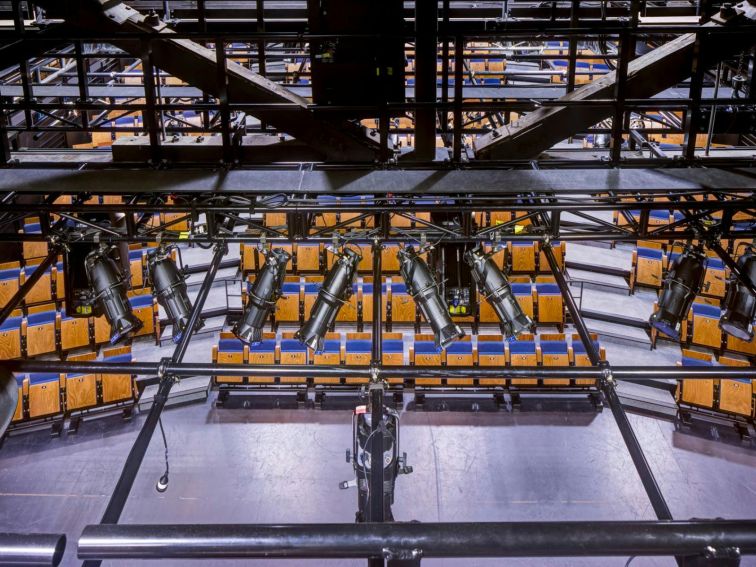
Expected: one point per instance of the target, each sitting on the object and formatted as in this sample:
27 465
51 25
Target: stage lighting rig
262 296
169 284
425 291
494 286
740 304
336 289
108 293
682 284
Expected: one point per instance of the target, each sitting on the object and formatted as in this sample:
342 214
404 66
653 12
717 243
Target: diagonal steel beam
337 140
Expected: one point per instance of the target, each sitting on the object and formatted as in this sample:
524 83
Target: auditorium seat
144 307
117 387
288 305
460 353
423 352
550 305
491 352
137 262
80 389
331 355
736 395
307 258
274 220
696 392
44 394
704 326
367 300
358 351
32 249
523 352
715 278
525 296
230 350
393 354
291 351
100 330
648 267
579 357
10 336
312 287
40 330
41 292
735 344
349 310
10 281
74 331
402 305
522 255
560 251
260 353
554 352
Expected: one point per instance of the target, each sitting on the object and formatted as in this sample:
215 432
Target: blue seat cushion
393 346
547 289
292 345
492 347
523 243
359 346
141 301
266 345
42 377
32 228
705 310
398 288
554 347
522 288
230 345
41 318
686 361
522 347
659 215
290 288
11 323
135 254
460 347
426 347
331 346
650 253
20 379
367 288
714 264
579 348
10 274
312 288
118 358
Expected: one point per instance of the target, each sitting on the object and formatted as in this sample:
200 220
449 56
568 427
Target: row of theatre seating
650 264
355 349
542 301
728 396
45 329
520 257
50 395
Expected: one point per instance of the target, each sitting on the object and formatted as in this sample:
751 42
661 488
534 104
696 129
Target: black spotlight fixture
169 284
682 284
262 296
740 304
108 293
336 289
424 289
494 286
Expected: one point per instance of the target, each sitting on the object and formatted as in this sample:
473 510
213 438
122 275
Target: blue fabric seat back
714 264
119 358
650 253
359 346
579 348
41 318
266 345
10 274
230 345
460 347
523 243
292 345
311 288
43 377
331 346
687 361
522 347
705 310
398 288
491 347
554 347
138 301
547 289
522 288
393 346
426 347
11 323
32 228
290 288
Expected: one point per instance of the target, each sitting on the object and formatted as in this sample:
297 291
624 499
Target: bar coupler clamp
607 377
402 554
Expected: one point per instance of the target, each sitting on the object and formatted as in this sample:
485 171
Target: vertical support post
81 78
713 112
150 114
620 95
23 65
377 345
444 122
693 114
459 54
260 17
5 145
225 114
139 449
608 388
572 48
426 40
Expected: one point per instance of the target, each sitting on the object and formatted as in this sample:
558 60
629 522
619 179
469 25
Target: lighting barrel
262 296
682 284
108 288
424 290
170 288
336 289
493 284
740 304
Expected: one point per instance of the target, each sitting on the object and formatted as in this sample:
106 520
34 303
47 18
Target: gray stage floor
245 466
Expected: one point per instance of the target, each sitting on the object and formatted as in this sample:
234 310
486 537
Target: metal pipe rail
417 540
628 373
31 549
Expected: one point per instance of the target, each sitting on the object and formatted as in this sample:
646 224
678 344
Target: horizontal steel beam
417 540
629 373
42 550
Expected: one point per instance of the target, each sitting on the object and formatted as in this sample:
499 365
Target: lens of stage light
336 289
424 290
170 288
682 284
740 304
262 296
494 285
109 291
